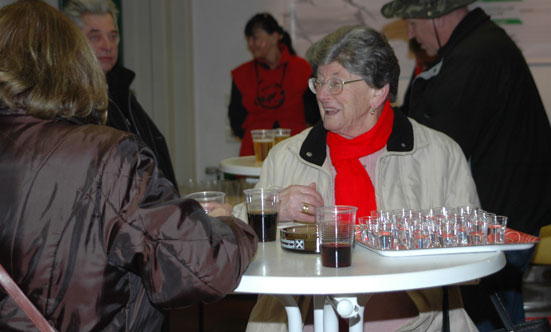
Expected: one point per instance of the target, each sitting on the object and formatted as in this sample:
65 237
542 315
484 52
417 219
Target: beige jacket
420 168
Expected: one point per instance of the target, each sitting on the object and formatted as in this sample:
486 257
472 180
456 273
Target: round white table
283 273
246 166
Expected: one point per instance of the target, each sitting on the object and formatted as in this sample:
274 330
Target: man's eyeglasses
334 85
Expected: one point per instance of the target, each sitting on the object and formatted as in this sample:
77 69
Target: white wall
157 46
183 51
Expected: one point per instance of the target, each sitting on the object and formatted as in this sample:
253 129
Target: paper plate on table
304 238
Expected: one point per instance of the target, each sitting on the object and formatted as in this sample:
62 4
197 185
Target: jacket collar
5 110
93 118
470 22
314 150
285 56
119 78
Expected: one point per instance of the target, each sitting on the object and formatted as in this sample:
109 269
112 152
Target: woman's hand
221 210
299 203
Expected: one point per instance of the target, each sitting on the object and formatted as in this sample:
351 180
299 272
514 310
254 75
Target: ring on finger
305 208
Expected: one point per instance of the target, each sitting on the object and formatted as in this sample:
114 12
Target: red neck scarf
352 183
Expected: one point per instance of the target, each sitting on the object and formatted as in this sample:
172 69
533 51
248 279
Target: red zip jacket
271 95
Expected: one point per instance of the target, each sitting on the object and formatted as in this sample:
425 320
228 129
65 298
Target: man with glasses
98 21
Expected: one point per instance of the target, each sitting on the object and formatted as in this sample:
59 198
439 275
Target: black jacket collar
471 21
119 78
314 150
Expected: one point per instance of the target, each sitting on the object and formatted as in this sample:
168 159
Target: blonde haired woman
92 232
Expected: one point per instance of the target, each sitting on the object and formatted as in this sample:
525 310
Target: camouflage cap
421 8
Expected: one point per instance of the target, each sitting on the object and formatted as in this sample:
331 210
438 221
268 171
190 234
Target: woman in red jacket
271 90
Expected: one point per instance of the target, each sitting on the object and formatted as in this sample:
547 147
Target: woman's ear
379 96
276 36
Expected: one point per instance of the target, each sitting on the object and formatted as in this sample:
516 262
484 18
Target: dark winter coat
97 237
125 113
482 94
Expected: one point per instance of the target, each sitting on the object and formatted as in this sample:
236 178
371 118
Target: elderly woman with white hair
365 154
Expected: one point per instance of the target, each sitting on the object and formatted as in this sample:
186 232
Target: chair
542 253
536 285
23 302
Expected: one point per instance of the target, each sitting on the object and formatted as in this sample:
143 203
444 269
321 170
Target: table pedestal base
326 309
294 318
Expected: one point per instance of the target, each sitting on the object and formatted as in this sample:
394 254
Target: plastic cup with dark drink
262 205
336 226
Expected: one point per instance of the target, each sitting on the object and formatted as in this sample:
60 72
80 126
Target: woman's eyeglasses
334 85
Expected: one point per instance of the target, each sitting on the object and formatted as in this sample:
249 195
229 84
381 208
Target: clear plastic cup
263 141
209 200
336 225
497 225
280 134
262 205
447 231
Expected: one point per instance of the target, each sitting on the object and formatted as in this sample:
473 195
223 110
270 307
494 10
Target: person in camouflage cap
421 8
479 92
431 22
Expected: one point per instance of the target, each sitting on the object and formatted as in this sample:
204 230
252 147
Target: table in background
284 273
243 166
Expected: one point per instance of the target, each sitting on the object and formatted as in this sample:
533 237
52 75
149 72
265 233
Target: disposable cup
208 199
263 141
496 229
262 205
280 134
336 225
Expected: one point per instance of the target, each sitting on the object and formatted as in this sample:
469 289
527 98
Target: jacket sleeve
149 132
182 255
236 111
461 188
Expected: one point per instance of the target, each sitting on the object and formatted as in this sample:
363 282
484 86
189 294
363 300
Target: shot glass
336 225
402 220
447 231
263 141
364 231
372 225
462 230
478 230
368 227
262 205
420 237
280 134
497 227
385 233
209 200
